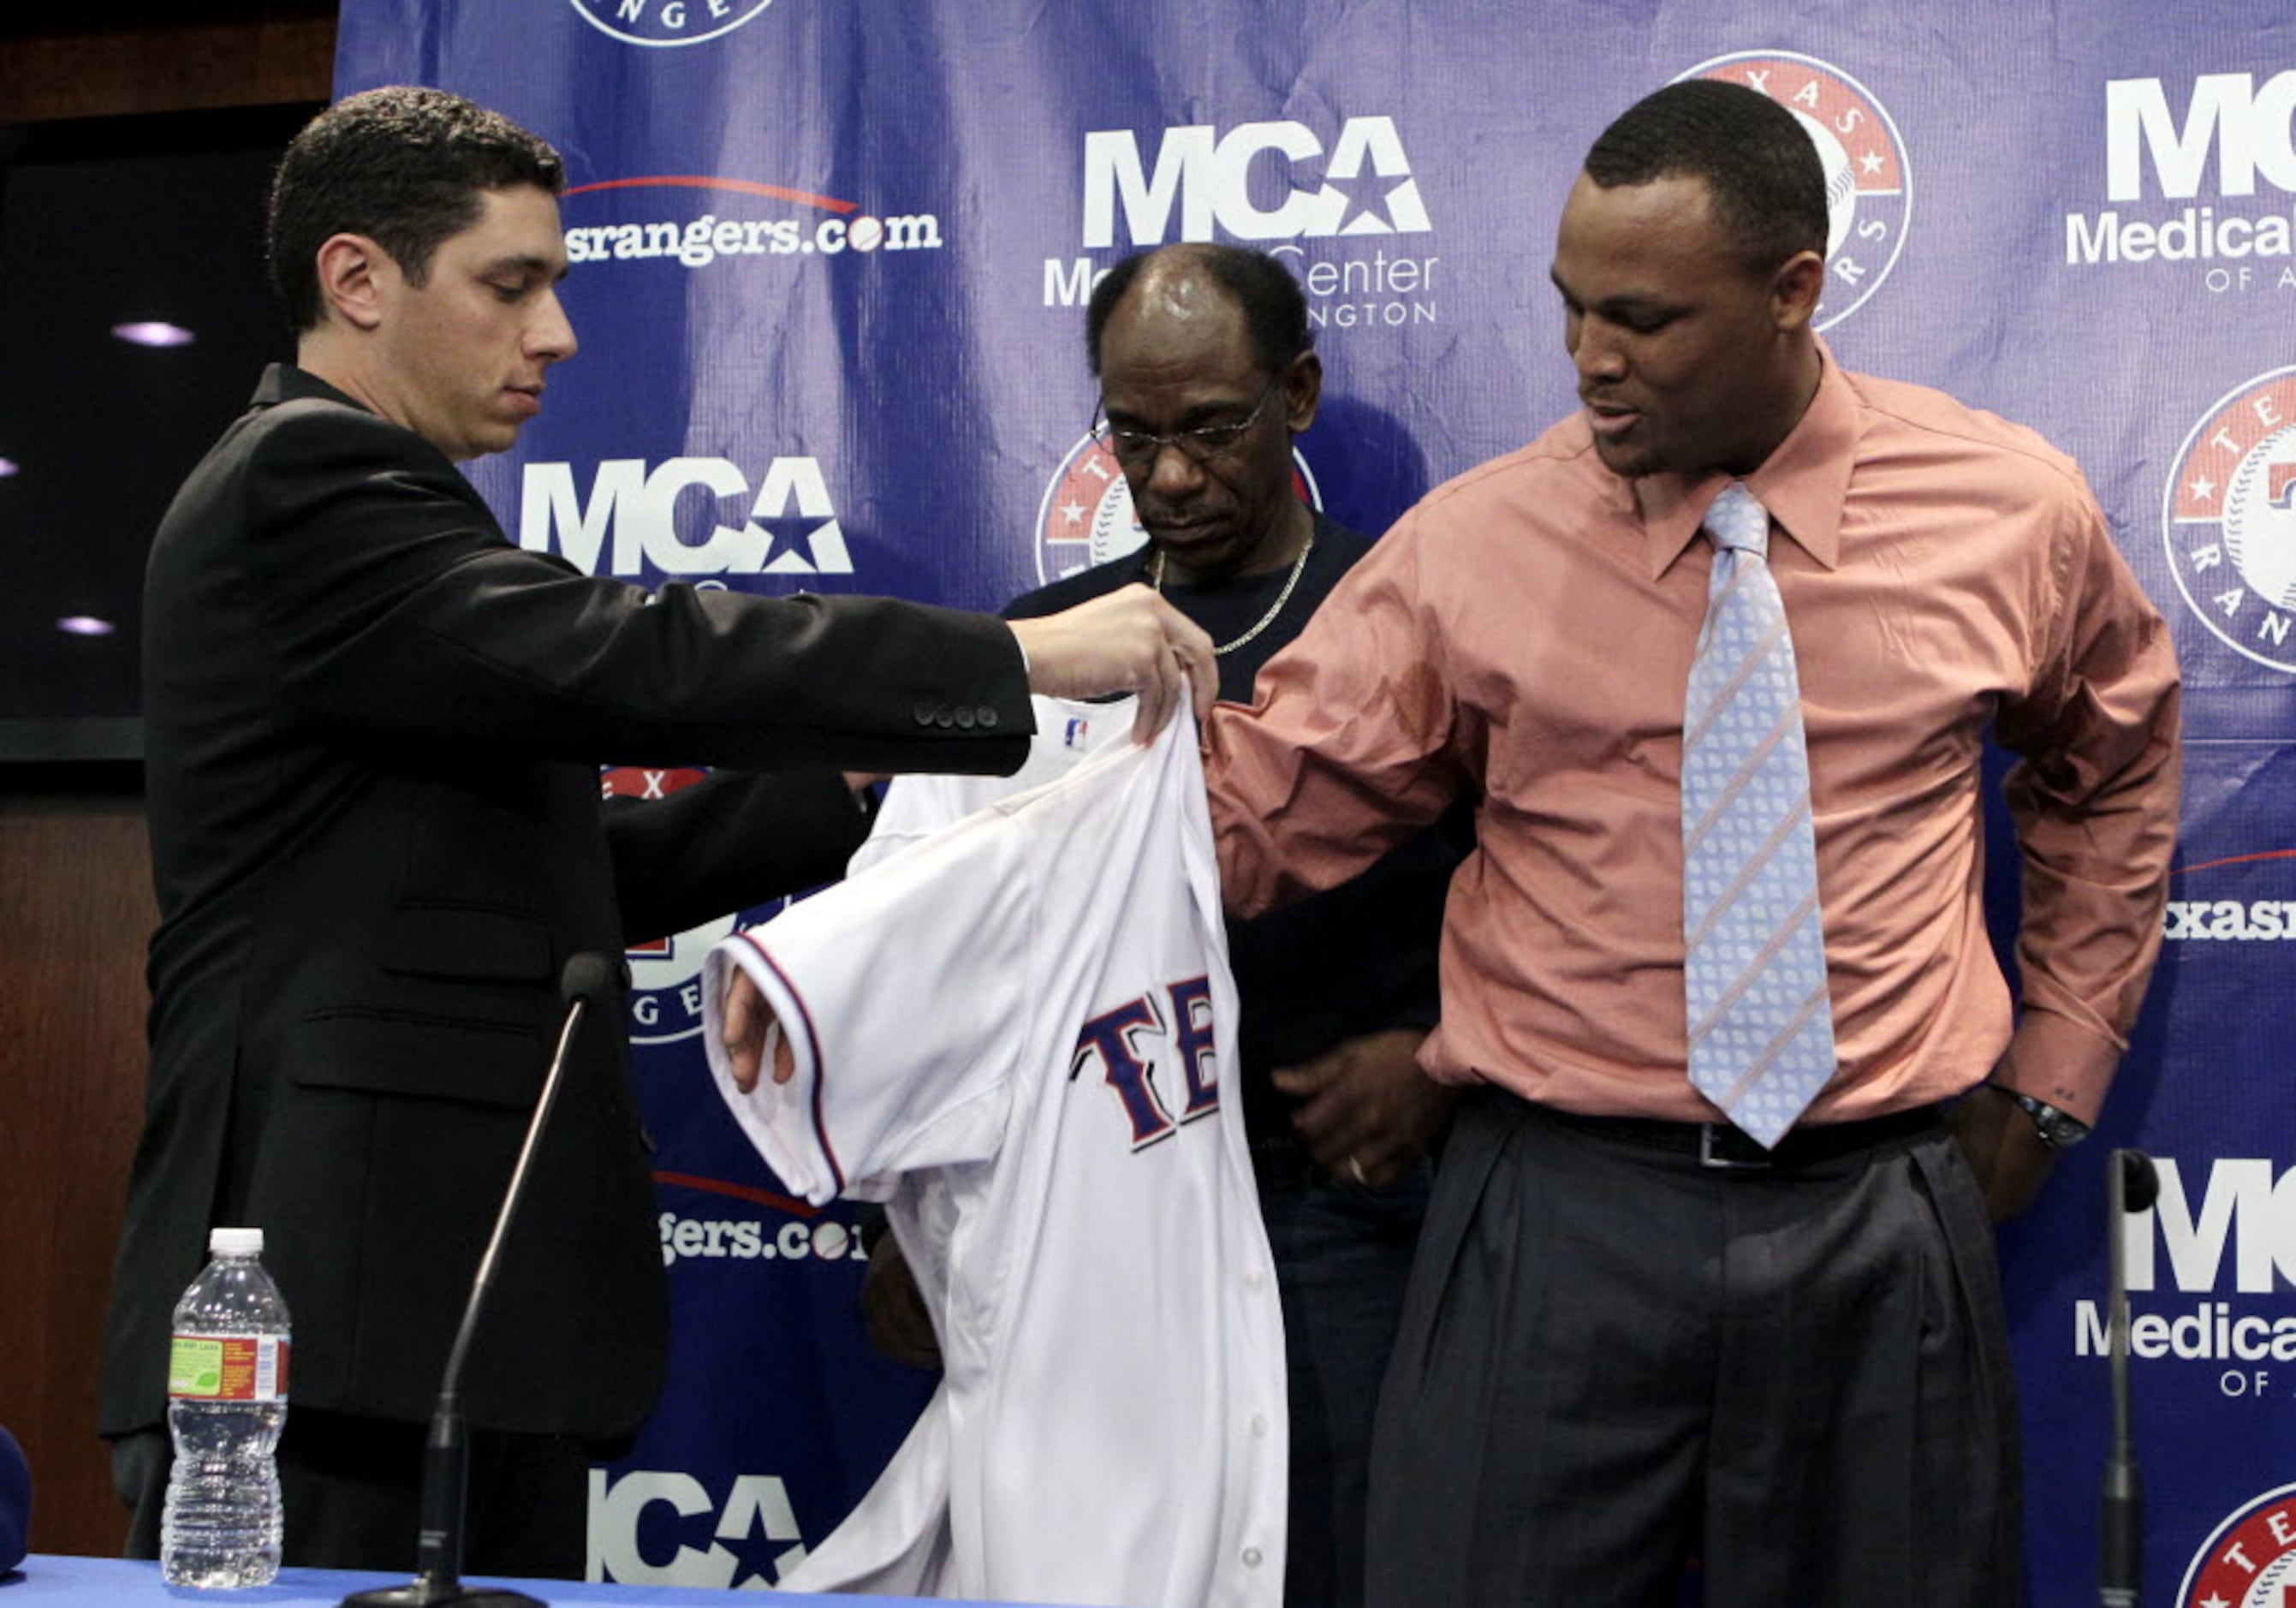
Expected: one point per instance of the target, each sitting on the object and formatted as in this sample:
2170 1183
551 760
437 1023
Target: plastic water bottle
227 1401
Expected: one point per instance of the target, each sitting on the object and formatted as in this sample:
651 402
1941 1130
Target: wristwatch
2058 1129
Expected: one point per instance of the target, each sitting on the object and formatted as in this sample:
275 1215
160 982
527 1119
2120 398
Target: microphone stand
446 1449
2131 1186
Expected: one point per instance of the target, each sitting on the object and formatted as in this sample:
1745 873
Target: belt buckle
1708 1157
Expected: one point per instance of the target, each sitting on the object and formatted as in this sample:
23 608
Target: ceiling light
153 332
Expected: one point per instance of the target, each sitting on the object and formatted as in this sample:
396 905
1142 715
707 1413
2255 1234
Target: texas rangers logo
1086 516
1869 196
1122 1049
2228 518
2250 1561
665 973
659 22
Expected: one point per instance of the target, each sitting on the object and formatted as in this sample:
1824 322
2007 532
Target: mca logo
1869 195
744 1543
2242 124
673 519
2228 518
2251 1560
1086 517
1366 187
1343 209
658 22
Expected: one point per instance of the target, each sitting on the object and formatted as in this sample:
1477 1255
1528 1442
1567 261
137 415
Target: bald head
1259 289
1204 379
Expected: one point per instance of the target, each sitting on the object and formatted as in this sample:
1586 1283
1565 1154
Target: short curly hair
1759 165
403 166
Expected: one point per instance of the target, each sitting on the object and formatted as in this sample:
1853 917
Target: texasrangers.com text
706 239
745 1239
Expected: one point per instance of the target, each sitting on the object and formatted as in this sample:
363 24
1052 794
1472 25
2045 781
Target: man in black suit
373 727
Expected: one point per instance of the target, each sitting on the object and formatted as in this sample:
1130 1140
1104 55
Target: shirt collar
1802 483
285 383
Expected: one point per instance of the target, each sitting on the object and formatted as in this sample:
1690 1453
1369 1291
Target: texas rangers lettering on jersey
1021 1029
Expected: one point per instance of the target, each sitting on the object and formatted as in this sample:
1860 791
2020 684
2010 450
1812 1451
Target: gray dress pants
1618 1367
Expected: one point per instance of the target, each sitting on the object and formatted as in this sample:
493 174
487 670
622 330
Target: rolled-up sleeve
1349 745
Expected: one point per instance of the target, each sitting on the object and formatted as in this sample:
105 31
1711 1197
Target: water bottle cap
235 1242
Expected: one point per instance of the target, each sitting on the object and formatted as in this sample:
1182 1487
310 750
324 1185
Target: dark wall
75 908
75 885
134 56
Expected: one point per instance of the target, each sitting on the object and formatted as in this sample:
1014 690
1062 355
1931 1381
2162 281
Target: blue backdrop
830 262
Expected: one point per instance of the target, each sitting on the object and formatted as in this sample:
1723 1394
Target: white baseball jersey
1024 1025
1068 733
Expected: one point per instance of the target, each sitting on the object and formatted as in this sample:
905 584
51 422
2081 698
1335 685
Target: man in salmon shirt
1708 1272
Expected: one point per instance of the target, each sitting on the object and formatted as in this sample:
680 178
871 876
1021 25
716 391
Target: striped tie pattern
1761 1027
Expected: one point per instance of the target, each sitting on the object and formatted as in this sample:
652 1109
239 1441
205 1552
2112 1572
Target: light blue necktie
1761 1028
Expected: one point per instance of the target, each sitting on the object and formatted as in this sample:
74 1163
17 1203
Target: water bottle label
227 1368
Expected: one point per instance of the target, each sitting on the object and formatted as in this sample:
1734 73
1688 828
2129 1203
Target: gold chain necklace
1299 567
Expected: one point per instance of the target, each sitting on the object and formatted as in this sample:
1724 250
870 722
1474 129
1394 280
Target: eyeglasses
1140 447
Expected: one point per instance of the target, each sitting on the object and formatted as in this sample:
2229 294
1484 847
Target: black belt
1721 1146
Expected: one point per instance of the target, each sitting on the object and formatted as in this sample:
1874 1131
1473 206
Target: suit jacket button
965 719
923 713
988 718
944 716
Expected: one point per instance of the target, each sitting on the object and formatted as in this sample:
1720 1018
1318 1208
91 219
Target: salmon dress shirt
1524 637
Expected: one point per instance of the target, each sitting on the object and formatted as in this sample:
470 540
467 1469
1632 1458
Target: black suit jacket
373 727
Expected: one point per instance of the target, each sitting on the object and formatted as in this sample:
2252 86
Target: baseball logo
2228 519
2251 1560
1086 517
2260 528
1869 185
670 22
665 1001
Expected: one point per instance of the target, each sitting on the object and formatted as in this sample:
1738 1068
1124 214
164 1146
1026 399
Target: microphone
588 979
2132 1187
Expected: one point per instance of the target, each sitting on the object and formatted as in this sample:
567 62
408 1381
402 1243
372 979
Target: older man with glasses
1207 372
